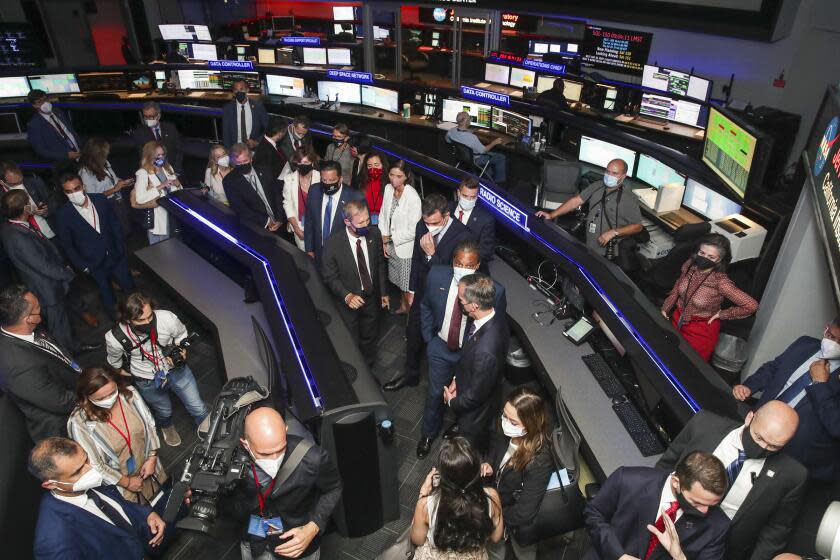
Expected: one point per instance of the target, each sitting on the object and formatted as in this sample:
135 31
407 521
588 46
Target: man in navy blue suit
471 212
91 236
323 208
243 119
642 513
443 326
807 377
80 518
50 132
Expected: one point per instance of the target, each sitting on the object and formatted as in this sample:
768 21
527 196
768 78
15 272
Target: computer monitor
707 202
520 77
284 85
497 73
312 55
539 48
480 115
183 48
180 32
101 81
668 108
346 92
343 13
266 56
198 79
139 81
600 153
381 33
510 123
571 90
339 57
16 86
675 82
381 98
252 79
55 83
728 150
655 173
160 78
204 51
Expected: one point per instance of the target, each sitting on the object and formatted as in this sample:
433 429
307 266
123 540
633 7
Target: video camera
218 461
173 351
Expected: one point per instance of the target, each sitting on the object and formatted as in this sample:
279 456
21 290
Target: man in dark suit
472 392
304 501
435 240
297 135
154 129
353 268
807 377
252 192
650 514
36 373
323 208
766 487
443 326
92 238
81 518
471 212
41 199
243 119
50 132
268 154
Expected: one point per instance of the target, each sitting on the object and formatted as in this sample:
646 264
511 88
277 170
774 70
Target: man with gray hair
253 193
473 391
154 129
481 153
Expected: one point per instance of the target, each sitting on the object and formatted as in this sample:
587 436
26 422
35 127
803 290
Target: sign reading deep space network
351 76
619 50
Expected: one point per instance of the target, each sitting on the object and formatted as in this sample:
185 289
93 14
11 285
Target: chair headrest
689 232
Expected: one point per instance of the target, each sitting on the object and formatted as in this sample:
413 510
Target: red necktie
461 216
453 338
660 526
35 225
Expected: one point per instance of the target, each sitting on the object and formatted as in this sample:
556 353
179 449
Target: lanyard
260 496
151 357
93 210
127 435
27 227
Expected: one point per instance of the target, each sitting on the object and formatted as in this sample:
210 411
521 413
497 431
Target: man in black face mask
244 119
253 193
323 208
766 487
642 513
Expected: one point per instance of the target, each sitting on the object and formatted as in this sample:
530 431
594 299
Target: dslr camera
173 351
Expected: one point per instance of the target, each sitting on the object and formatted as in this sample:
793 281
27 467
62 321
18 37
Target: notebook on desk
679 218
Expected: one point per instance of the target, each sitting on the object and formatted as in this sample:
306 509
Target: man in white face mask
50 132
153 127
805 376
469 210
112 527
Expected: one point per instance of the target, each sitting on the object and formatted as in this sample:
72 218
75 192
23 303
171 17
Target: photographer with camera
611 217
152 345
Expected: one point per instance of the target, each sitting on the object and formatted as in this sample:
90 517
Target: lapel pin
770 473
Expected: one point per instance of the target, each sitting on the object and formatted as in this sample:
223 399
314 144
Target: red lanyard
260 496
93 209
151 357
127 435
28 227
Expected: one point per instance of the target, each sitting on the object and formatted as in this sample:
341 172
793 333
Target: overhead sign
308 41
547 67
230 64
485 96
351 76
504 208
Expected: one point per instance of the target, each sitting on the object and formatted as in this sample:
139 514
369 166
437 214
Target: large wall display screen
619 50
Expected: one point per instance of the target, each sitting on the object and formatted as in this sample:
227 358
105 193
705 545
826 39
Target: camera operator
613 214
287 494
151 340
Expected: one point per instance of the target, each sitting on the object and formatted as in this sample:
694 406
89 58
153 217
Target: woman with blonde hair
154 179
296 189
218 166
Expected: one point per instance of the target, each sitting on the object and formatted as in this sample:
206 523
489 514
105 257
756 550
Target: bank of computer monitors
676 82
480 115
346 92
707 202
519 78
176 32
314 55
285 85
497 73
600 153
655 173
339 57
266 56
101 81
571 90
16 86
510 123
381 98
198 79
55 83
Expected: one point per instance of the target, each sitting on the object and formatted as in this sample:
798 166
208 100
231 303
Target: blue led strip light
311 385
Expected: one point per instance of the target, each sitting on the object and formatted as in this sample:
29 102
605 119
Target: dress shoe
88 347
451 432
90 319
423 447
171 436
399 382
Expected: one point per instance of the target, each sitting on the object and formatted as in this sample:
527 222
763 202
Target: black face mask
703 263
147 328
751 447
330 188
689 509
304 169
245 168
241 96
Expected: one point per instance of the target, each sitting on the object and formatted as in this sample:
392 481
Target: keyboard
641 434
604 375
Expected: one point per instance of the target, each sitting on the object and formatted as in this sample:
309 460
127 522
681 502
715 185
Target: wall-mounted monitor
381 98
520 77
510 123
707 202
728 150
339 57
176 32
497 73
313 55
480 115
266 56
600 153
675 82
198 79
343 13
655 173
619 50
346 92
284 85
55 83
203 51
16 86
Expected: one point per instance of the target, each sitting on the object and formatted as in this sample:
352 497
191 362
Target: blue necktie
327 222
735 467
790 393
110 512
470 330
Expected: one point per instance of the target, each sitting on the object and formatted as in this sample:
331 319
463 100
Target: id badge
131 464
374 219
76 366
273 526
161 379
256 527
592 227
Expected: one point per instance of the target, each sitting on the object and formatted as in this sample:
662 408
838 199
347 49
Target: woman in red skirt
699 293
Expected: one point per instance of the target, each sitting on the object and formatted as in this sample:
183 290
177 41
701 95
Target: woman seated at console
699 293
99 177
154 179
218 166
372 184
115 427
520 463
296 189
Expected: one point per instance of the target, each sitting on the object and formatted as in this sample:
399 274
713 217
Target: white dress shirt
336 200
87 504
800 371
30 338
89 213
665 499
170 330
248 120
364 251
42 222
451 297
483 321
466 217
727 451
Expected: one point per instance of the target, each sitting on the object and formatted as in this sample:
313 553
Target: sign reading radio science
501 206
486 96
351 76
618 50
230 64
308 41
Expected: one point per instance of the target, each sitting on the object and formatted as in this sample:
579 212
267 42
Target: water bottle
337 104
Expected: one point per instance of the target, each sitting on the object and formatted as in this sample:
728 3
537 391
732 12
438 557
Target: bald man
766 486
295 506
482 153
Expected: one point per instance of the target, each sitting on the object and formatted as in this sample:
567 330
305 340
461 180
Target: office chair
465 159
415 62
657 283
559 183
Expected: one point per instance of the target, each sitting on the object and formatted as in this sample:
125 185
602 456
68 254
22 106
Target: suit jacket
482 225
46 140
246 202
65 531
259 120
444 251
287 147
170 138
817 441
86 248
436 292
530 483
340 270
39 264
762 524
618 516
310 493
269 158
313 228
39 383
41 194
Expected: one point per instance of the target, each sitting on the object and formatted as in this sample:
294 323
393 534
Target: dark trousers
414 339
363 324
58 325
118 270
441 361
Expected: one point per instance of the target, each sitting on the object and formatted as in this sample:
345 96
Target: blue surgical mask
160 161
362 231
610 180
467 204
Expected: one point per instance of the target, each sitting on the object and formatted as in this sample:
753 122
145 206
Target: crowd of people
722 490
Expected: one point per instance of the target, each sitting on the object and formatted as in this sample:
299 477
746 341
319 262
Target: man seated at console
613 214
481 153
554 96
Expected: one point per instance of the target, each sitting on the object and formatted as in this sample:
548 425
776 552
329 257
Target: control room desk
606 443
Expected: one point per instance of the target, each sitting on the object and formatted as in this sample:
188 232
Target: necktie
735 467
453 338
367 283
327 222
257 187
461 216
64 135
34 225
243 132
796 387
157 133
470 330
660 526
110 512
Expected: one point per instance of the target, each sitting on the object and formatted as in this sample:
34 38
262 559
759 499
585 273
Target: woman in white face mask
218 166
520 465
116 429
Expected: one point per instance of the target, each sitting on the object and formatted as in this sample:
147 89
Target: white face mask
151 123
91 479
467 204
829 349
106 403
436 229
610 181
223 161
270 466
46 107
510 430
77 198
458 272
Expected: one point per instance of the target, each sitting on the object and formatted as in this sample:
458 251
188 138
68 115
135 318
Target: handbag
143 217
402 549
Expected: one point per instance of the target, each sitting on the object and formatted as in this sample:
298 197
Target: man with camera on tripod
151 344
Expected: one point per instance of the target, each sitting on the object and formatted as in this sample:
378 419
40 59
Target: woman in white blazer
155 179
296 190
398 223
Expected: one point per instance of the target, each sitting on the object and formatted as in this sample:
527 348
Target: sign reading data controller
485 96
